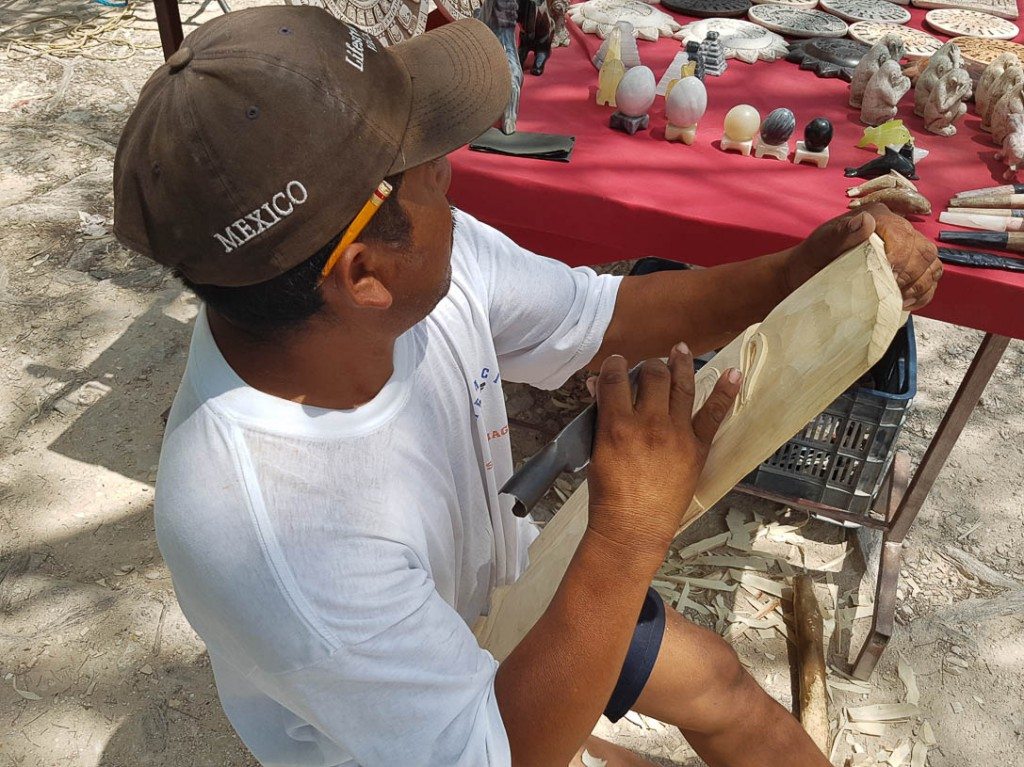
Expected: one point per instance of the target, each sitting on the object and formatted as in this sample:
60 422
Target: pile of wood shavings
728 582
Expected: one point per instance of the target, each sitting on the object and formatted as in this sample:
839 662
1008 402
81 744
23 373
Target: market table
628 196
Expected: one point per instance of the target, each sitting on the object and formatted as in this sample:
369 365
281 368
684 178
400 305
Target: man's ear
358 279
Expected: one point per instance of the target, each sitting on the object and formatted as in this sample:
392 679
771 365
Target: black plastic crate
841 457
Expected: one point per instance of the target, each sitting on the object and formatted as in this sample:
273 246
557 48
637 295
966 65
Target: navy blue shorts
643 651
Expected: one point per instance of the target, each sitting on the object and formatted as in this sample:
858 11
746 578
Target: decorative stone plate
806 4
458 9
707 8
740 39
1004 9
957 21
390 21
797 22
828 56
866 10
917 43
978 53
598 17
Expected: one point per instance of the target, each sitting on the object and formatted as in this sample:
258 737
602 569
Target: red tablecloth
629 196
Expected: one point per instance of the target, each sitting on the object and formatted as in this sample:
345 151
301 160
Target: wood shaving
909 679
883 712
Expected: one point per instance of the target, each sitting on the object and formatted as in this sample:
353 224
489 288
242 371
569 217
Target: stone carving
741 123
633 98
560 36
1012 152
866 10
1009 104
627 47
889 47
598 17
712 55
390 21
814 147
1010 79
684 107
797 22
942 62
946 103
612 70
828 56
983 94
694 58
883 93
709 8
501 16
535 35
740 39
775 132
956 21
916 42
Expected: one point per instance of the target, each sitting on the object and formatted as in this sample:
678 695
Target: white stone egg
687 102
635 93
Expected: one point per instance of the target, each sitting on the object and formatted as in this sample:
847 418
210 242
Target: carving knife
961 217
1013 241
569 451
983 260
1004 189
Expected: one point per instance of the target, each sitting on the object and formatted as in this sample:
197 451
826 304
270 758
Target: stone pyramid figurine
627 47
712 55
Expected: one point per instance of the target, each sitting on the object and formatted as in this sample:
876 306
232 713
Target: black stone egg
817 134
777 127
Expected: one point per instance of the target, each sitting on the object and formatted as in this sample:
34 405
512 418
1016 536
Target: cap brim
461 84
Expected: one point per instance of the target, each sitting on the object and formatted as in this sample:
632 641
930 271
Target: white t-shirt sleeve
408 683
547 320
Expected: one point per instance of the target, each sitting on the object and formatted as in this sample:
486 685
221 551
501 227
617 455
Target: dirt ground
99 667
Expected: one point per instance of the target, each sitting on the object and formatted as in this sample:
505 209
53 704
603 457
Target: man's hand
648 456
914 259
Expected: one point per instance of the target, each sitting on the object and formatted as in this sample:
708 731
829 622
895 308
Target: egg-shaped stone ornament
685 105
778 126
775 131
635 93
818 134
741 123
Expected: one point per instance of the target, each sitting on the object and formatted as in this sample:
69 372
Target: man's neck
327 367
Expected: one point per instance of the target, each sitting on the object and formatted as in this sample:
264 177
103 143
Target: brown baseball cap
260 139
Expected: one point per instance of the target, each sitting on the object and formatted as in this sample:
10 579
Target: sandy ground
99 667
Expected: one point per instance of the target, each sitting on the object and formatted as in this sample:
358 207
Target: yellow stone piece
612 70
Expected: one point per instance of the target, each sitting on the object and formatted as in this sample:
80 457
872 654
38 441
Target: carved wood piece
809 350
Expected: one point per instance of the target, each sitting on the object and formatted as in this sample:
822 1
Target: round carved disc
955 21
979 53
805 4
867 10
390 21
917 43
740 39
454 10
797 22
708 8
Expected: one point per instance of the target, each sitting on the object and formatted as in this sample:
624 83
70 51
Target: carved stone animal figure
1009 105
983 94
537 30
1011 78
1012 152
946 104
942 62
883 94
889 47
558 9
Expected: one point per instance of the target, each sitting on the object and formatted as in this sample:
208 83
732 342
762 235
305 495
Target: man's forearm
706 308
553 687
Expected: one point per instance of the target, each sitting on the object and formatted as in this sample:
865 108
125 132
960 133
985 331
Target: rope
104 36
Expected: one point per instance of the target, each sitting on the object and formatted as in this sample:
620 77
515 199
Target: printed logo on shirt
485 378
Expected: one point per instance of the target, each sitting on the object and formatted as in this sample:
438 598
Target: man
327 499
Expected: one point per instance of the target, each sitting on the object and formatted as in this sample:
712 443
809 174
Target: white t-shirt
334 561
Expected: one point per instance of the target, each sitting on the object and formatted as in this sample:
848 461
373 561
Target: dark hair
285 302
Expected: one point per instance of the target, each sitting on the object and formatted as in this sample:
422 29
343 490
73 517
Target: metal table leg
168 20
906 508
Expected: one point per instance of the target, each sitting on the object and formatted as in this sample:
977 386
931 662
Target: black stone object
818 134
628 124
706 9
693 54
777 127
828 56
902 162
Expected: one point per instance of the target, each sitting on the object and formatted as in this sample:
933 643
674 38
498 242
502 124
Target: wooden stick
810 657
